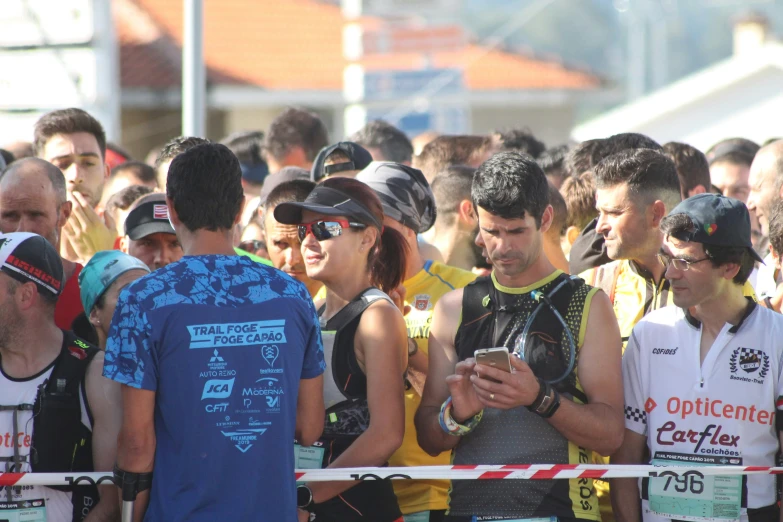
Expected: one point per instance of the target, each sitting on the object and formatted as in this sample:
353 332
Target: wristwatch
413 347
547 402
304 498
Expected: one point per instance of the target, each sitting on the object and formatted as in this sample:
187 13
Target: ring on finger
492 396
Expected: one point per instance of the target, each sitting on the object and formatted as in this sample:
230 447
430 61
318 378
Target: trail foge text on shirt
237 334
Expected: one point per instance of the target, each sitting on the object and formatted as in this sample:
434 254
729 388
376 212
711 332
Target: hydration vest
60 442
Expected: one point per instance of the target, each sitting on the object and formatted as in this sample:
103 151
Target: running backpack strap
60 441
476 300
351 311
346 371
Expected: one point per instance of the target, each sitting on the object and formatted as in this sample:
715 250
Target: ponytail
388 260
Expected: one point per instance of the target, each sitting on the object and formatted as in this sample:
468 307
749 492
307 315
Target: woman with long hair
345 246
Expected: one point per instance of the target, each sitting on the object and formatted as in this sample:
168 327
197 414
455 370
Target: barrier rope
487 472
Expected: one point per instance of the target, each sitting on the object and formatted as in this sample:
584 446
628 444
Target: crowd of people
206 321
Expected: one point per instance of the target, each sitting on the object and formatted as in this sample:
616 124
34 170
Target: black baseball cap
150 215
717 220
359 159
29 257
328 201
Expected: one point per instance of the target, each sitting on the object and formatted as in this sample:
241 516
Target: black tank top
372 500
493 315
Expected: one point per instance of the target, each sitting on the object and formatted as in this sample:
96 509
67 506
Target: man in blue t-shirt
221 364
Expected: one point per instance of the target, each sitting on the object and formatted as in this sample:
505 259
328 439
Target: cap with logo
149 215
717 220
359 158
101 271
28 258
404 192
326 201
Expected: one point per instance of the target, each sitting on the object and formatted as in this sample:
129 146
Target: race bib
308 457
23 511
691 495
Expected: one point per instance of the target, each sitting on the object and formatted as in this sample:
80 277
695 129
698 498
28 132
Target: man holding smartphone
540 412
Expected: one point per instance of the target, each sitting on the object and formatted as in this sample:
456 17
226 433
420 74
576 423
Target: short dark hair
620 142
176 146
289 191
393 144
580 158
552 161
560 212
449 188
246 146
648 173
296 127
205 187
579 195
138 169
718 255
736 151
691 165
519 140
67 121
444 151
776 226
510 185
126 197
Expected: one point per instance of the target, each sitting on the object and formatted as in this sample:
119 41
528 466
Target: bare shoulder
450 302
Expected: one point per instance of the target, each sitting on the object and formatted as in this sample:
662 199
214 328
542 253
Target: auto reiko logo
749 365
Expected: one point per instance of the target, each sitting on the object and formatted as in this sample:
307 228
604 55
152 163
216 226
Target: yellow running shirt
422 292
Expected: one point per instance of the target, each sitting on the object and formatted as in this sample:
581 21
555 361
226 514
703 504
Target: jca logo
217 389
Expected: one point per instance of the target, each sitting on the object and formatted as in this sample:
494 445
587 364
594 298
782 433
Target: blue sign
393 85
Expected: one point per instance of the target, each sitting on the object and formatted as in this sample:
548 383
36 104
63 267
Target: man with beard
455 227
564 409
33 199
73 141
282 241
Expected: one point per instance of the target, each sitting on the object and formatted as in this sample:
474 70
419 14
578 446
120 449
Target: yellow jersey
422 292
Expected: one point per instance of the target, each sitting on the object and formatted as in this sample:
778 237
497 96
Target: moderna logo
218 389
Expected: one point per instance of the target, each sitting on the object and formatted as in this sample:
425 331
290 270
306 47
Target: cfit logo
217 389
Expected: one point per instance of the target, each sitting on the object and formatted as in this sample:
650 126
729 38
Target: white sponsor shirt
23 391
719 412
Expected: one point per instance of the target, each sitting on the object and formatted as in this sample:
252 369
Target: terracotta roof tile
296 45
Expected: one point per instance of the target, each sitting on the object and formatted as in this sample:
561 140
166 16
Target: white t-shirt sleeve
635 414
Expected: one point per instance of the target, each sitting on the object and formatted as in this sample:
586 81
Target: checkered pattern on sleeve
635 414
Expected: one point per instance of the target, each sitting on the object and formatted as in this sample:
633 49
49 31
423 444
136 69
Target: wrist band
415 349
452 427
547 402
540 397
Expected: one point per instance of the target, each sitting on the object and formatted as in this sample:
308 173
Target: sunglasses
323 230
549 359
252 245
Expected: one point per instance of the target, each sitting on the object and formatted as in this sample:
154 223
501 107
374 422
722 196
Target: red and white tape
514 471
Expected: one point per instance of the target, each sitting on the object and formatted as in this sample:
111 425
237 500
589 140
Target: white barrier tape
519 472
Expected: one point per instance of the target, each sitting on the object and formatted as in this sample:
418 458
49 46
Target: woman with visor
345 246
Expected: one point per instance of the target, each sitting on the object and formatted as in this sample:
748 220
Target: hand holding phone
495 358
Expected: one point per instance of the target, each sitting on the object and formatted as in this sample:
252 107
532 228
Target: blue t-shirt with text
223 341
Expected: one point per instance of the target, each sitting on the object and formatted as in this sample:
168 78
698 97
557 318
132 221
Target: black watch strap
304 498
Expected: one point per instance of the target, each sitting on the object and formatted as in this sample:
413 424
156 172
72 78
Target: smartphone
494 357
